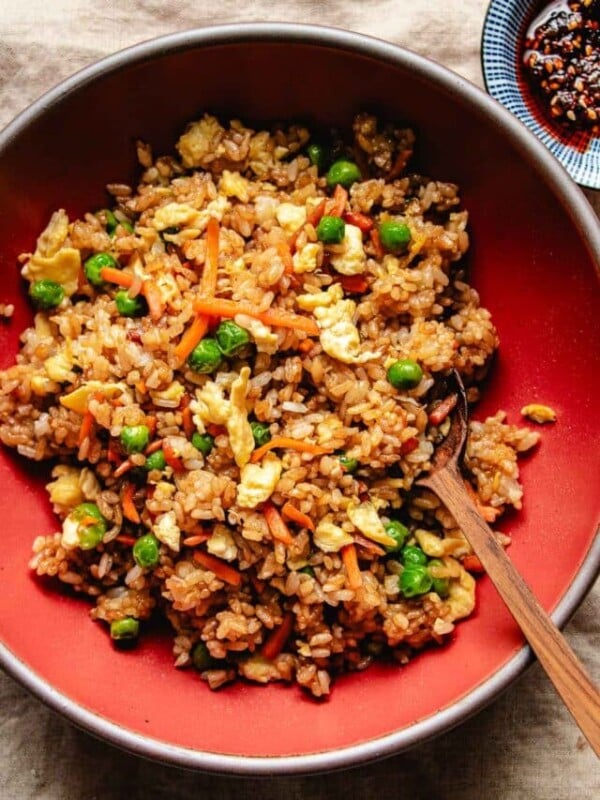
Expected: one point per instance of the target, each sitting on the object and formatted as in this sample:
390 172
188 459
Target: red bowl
535 246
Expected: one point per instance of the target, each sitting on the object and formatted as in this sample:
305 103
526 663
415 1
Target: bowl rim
579 165
585 221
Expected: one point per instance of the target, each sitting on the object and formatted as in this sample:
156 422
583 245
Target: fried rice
273 562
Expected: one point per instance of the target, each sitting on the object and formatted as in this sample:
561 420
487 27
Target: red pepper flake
216 430
409 445
441 411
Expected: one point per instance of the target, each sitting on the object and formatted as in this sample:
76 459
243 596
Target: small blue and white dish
502 50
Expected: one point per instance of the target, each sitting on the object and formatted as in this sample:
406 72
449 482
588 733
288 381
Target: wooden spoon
554 654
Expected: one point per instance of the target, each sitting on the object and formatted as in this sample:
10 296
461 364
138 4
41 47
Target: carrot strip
259 586
125 467
376 242
306 345
409 445
112 453
208 283
220 568
187 422
171 457
291 512
440 412
489 513
359 220
350 560
153 447
196 539
151 423
153 296
276 641
129 541
88 521
289 444
312 219
279 530
130 512
215 430
278 317
472 564
112 275
285 254
192 336
86 427
353 284
340 195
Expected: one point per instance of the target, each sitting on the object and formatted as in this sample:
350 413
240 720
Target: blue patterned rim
505 24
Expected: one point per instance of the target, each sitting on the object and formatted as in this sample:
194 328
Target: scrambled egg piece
435 547
182 215
290 217
167 531
352 260
539 413
51 259
59 367
364 516
329 537
307 259
201 140
169 397
461 592
211 406
79 398
258 481
222 544
339 335
265 340
41 385
70 533
65 491
232 184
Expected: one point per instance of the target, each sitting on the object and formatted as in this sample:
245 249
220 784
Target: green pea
318 155
404 374
203 442
343 172
414 581
90 533
46 294
156 460
331 230
307 570
130 306
395 236
399 534
349 465
135 438
205 357
261 433
201 657
94 264
127 628
231 337
439 585
413 555
146 550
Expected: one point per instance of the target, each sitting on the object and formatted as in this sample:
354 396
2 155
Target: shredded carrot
196 539
171 457
291 512
151 423
350 560
312 219
338 201
278 317
376 242
276 641
489 513
409 445
441 411
353 284
156 305
188 422
141 387
112 453
208 283
130 512
220 568
112 275
192 336
259 586
88 521
153 447
472 564
306 345
125 467
279 530
359 220
290 444
285 254
129 541
215 430
86 428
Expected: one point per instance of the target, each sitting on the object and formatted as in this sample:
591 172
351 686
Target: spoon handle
556 657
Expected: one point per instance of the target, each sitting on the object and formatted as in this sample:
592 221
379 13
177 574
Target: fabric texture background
524 746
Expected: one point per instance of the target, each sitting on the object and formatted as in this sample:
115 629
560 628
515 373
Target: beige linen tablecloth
524 747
